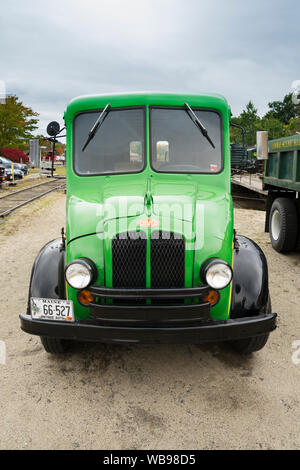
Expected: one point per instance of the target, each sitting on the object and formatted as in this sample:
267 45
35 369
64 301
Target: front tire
250 345
54 345
283 225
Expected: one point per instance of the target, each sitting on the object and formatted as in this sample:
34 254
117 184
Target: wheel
249 345
297 247
283 225
54 345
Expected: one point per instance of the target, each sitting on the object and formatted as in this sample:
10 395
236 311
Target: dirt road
144 397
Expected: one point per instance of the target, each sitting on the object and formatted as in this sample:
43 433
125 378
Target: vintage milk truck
150 253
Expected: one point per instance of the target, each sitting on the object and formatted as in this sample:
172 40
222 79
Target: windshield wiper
96 126
198 123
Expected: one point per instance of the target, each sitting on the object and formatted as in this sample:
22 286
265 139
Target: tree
59 149
284 110
282 120
14 155
44 142
16 123
275 127
249 120
293 126
249 116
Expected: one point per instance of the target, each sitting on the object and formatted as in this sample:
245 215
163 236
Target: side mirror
53 128
262 145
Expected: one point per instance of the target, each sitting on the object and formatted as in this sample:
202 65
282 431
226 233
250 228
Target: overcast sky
52 51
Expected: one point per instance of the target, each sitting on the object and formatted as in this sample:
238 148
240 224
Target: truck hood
189 202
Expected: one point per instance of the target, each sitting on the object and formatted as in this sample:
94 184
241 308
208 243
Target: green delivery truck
282 181
150 253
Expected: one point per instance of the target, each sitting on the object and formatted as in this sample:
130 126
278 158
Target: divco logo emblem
148 223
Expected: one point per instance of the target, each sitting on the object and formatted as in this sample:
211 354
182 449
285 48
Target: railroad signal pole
53 129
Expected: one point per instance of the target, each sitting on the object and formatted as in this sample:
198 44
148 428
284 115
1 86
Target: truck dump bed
283 164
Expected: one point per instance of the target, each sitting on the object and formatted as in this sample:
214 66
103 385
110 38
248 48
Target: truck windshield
178 146
117 147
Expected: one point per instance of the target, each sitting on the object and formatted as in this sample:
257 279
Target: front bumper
167 308
200 332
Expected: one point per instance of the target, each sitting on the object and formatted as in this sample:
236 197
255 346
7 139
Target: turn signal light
212 297
85 297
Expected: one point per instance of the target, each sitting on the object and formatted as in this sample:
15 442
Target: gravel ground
149 396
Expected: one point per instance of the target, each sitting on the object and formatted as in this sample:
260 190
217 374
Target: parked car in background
20 169
23 167
2 174
18 174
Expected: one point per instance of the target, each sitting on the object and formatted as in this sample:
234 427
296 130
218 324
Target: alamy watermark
2 353
2 92
127 216
296 352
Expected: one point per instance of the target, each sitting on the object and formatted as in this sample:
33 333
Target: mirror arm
232 124
60 130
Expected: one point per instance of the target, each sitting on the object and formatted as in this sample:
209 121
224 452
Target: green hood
197 208
203 215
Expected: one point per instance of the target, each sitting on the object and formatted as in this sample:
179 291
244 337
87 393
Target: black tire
283 225
250 345
297 247
54 345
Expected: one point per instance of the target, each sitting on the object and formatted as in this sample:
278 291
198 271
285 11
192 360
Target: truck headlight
217 273
80 273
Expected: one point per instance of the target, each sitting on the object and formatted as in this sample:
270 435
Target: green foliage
248 119
275 127
294 126
282 119
17 122
284 110
44 142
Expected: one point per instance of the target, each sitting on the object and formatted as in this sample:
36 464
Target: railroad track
246 199
12 201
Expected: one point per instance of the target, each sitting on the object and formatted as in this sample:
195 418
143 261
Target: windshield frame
111 110
182 108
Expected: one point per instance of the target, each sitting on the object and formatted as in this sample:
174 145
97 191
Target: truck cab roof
86 102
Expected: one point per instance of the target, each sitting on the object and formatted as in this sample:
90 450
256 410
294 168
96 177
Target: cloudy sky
54 50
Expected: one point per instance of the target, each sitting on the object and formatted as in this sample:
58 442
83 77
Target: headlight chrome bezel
91 269
210 263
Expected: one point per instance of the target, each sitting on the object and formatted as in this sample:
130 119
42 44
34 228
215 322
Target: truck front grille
129 260
167 260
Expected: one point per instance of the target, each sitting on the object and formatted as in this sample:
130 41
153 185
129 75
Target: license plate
51 309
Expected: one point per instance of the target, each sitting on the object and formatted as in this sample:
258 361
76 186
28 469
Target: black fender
47 275
250 290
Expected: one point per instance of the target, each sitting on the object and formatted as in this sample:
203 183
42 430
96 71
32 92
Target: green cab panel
196 206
